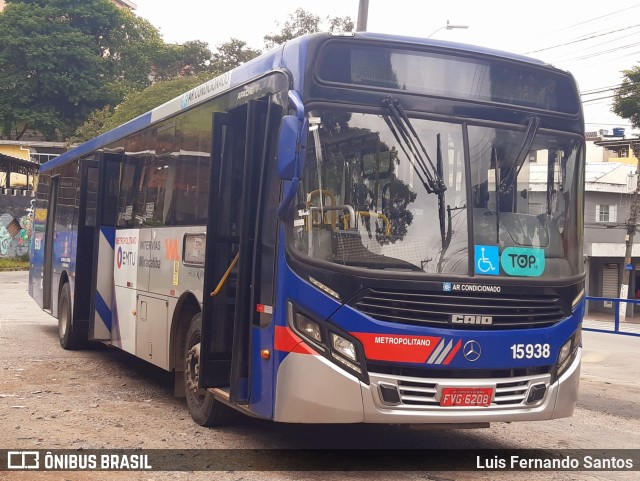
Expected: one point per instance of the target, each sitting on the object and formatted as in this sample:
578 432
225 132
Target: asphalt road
103 398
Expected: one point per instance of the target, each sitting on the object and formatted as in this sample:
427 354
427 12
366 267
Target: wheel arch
64 279
188 306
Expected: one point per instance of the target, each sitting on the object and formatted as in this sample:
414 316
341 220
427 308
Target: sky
594 44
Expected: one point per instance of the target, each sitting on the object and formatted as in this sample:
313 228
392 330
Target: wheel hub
193 367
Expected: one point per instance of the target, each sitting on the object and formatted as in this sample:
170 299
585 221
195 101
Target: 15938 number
531 351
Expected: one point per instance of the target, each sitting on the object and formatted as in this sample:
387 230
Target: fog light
343 346
389 393
308 327
536 393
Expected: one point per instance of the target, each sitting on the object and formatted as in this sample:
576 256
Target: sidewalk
605 322
609 357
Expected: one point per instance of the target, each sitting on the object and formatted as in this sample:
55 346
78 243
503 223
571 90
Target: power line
611 59
560 58
603 52
583 39
599 90
599 98
594 19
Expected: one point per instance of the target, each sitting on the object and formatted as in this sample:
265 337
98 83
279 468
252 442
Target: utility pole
631 230
363 13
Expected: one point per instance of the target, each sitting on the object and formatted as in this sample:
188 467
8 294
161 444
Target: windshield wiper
504 184
430 175
445 222
401 127
508 180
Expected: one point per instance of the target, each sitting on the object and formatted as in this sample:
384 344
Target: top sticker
523 261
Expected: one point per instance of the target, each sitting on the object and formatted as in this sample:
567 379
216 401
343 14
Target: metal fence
610 322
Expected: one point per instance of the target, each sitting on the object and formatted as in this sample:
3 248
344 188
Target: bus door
237 150
85 240
50 236
102 318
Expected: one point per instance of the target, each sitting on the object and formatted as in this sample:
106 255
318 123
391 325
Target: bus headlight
343 346
564 351
568 353
308 327
329 341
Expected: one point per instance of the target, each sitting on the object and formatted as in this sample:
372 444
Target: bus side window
161 179
109 204
191 194
90 219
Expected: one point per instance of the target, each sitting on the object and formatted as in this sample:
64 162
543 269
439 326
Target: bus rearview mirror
287 147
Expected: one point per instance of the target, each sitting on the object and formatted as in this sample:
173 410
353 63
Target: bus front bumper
310 389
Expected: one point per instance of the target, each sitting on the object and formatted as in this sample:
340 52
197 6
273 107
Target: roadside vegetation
71 69
14 263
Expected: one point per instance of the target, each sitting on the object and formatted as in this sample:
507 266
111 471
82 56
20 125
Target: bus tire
203 407
70 338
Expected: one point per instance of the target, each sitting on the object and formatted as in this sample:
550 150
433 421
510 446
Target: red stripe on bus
397 348
453 352
286 340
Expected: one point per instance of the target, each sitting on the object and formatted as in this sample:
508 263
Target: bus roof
276 58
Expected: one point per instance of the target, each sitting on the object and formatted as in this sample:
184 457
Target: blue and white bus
353 228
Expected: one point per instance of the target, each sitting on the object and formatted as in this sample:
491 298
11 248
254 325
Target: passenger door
47 281
230 273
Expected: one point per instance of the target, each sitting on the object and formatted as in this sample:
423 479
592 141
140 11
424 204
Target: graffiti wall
16 220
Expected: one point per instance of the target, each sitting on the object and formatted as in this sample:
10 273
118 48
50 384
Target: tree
173 60
626 102
92 127
231 54
186 75
179 69
302 22
62 59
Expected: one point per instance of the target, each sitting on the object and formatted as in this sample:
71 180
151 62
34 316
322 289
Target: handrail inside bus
225 276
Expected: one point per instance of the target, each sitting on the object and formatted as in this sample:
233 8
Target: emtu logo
125 258
171 249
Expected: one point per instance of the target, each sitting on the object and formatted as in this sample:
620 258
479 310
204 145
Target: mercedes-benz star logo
472 351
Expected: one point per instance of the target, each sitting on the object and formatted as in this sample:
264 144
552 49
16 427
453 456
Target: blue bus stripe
103 310
109 234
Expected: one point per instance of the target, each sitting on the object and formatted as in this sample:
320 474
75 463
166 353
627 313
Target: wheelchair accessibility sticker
523 261
487 260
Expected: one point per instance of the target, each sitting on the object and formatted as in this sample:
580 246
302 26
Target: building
617 147
21 159
609 189
611 182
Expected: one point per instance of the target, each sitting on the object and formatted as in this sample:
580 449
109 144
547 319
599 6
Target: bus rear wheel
70 337
203 407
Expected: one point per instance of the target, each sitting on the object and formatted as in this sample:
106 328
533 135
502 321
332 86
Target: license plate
466 396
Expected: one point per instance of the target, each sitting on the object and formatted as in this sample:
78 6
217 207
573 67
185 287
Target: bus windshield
380 192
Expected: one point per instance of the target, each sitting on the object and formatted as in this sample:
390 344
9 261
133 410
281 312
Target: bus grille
417 393
508 311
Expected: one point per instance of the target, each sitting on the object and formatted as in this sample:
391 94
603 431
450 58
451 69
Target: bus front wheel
203 407
70 337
